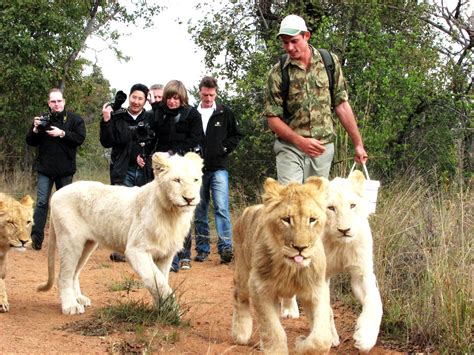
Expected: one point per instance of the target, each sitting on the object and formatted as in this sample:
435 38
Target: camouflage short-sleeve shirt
309 99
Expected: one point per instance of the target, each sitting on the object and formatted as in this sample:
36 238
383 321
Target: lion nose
344 231
189 199
299 248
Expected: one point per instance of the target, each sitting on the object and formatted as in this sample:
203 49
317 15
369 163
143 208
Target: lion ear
320 183
271 189
160 163
357 179
27 201
194 157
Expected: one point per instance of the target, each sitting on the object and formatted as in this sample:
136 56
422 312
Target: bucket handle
365 170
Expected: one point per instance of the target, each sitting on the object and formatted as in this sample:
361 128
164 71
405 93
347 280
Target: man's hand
140 161
361 155
56 132
311 146
106 110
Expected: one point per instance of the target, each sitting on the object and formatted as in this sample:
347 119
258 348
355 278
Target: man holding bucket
304 145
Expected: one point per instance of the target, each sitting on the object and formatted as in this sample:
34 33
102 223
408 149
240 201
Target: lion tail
51 251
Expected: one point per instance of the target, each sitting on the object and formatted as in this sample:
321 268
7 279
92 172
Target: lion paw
365 337
74 309
309 345
85 301
289 308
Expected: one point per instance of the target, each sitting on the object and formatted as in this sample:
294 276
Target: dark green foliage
411 100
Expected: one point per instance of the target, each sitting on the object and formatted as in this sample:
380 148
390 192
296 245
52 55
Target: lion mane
148 224
16 220
278 253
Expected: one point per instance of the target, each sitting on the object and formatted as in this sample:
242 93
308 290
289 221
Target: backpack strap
285 79
330 68
285 87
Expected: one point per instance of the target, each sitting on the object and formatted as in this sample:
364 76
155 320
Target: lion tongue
298 259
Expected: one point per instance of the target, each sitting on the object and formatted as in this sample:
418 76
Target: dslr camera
120 98
142 133
45 123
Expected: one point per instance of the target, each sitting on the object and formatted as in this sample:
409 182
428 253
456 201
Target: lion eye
312 220
353 205
286 220
178 180
332 208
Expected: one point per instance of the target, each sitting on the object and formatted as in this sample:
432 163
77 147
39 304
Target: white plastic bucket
371 189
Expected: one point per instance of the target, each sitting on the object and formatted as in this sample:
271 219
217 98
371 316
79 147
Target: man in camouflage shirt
304 147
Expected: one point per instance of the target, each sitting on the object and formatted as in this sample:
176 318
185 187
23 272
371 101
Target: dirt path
34 321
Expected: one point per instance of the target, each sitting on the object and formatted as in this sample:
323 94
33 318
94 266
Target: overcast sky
158 55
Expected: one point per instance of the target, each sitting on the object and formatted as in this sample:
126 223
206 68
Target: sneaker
173 269
185 265
200 257
117 257
226 256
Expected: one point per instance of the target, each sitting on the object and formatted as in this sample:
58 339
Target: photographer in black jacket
118 130
57 136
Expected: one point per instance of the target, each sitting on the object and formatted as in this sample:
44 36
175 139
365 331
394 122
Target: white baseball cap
292 25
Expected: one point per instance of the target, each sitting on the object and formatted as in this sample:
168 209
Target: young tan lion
148 224
279 253
16 220
348 246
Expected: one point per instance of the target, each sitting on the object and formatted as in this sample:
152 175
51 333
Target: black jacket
222 137
57 156
116 134
179 134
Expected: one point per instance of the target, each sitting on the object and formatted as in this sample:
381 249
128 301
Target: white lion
148 224
348 247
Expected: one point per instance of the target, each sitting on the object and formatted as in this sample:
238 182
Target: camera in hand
45 123
120 98
142 132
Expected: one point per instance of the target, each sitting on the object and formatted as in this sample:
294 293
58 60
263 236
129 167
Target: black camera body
142 132
120 98
45 123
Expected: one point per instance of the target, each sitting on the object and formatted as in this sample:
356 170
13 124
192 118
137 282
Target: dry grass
423 256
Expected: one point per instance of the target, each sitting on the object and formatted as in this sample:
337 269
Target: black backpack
285 79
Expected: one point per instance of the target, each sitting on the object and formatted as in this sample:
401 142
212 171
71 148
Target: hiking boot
117 257
226 256
200 257
185 265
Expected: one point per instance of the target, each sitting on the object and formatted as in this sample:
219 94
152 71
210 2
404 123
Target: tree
41 42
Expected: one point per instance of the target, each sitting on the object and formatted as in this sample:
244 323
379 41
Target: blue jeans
44 188
134 177
217 184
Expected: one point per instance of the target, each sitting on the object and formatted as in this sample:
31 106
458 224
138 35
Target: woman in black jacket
178 130
177 126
